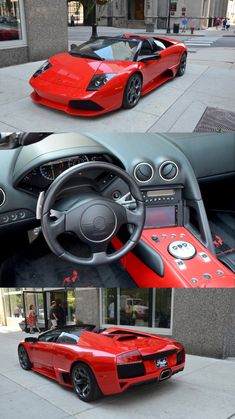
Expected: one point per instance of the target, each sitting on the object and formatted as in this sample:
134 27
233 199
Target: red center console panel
187 263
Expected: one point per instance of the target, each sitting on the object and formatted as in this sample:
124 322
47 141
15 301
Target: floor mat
38 267
222 226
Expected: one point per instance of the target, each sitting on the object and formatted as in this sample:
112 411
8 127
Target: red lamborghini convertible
107 73
96 362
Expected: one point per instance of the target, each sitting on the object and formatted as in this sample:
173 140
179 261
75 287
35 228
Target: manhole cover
216 120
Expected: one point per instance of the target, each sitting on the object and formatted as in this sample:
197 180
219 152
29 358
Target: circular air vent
2 197
143 172
168 170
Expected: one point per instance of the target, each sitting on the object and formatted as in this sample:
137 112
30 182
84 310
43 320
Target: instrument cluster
42 176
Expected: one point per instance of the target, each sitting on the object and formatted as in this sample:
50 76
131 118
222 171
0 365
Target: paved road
204 390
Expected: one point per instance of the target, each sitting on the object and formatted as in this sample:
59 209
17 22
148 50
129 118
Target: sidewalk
176 106
205 390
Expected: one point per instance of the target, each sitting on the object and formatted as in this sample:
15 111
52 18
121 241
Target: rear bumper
68 99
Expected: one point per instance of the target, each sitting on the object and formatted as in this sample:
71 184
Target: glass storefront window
75 13
13 303
140 308
10 20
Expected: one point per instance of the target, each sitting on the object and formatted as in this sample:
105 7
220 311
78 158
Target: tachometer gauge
51 170
77 160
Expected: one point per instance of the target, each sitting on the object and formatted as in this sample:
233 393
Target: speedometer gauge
51 170
77 160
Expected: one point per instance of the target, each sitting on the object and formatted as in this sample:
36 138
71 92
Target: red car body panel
174 277
69 76
99 352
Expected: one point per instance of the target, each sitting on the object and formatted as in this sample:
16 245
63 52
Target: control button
207 276
13 216
181 249
155 239
21 214
182 235
173 235
204 257
5 219
164 236
116 195
194 280
180 264
219 272
172 199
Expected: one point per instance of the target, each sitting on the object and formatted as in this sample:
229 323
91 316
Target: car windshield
108 49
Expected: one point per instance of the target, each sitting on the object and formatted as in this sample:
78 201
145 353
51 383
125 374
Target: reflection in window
163 308
134 307
10 22
110 305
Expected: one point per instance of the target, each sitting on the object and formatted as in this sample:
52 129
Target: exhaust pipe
165 374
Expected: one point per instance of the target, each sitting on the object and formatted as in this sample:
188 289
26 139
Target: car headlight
99 80
41 69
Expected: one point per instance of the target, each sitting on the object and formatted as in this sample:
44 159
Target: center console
169 254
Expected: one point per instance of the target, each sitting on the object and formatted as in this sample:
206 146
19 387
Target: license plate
161 363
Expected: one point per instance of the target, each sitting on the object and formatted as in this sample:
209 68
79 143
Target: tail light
132 357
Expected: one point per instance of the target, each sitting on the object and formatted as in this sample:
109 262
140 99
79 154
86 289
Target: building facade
32 30
139 13
202 319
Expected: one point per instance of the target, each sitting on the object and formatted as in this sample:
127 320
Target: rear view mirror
31 339
145 58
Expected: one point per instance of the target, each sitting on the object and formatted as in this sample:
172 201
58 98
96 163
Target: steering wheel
94 219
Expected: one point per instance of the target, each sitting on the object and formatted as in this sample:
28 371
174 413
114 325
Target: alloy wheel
134 90
82 382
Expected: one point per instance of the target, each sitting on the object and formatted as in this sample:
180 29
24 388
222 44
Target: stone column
46 27
151 13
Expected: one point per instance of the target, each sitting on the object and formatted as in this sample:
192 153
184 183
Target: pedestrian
52 315
32 319
217 22
60 314
184 23
224 24
227 24
72 20
17 312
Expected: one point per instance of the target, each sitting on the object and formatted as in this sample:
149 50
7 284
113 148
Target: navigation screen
160 217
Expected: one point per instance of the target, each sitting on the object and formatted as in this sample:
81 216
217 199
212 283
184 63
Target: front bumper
77 101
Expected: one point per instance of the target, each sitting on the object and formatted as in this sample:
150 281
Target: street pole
168 29
94 33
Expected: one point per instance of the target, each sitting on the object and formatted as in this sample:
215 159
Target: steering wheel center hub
98 223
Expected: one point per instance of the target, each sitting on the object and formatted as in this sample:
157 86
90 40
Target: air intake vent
168 170
2 197
143 172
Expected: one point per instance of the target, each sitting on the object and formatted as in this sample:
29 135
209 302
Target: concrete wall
13 56
87 306
46 26
204 321
46 30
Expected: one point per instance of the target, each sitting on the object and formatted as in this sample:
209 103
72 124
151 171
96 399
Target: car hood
74 71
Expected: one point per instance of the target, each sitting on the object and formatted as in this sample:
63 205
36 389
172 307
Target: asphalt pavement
204 390
176 106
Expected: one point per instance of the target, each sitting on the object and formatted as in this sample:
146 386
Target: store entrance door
42 302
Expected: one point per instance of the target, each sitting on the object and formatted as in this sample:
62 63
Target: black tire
84 383
182 66
24 358
132 91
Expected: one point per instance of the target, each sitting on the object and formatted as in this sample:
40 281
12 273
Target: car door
151 69
42 351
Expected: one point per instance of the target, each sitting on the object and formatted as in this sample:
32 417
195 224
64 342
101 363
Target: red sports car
96 362
107 73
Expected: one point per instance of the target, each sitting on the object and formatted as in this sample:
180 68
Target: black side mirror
73 46
145 58
31 339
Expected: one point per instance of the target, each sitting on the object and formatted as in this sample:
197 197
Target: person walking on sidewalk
53 316
184 23
224 24
32 319
227 24
217 22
